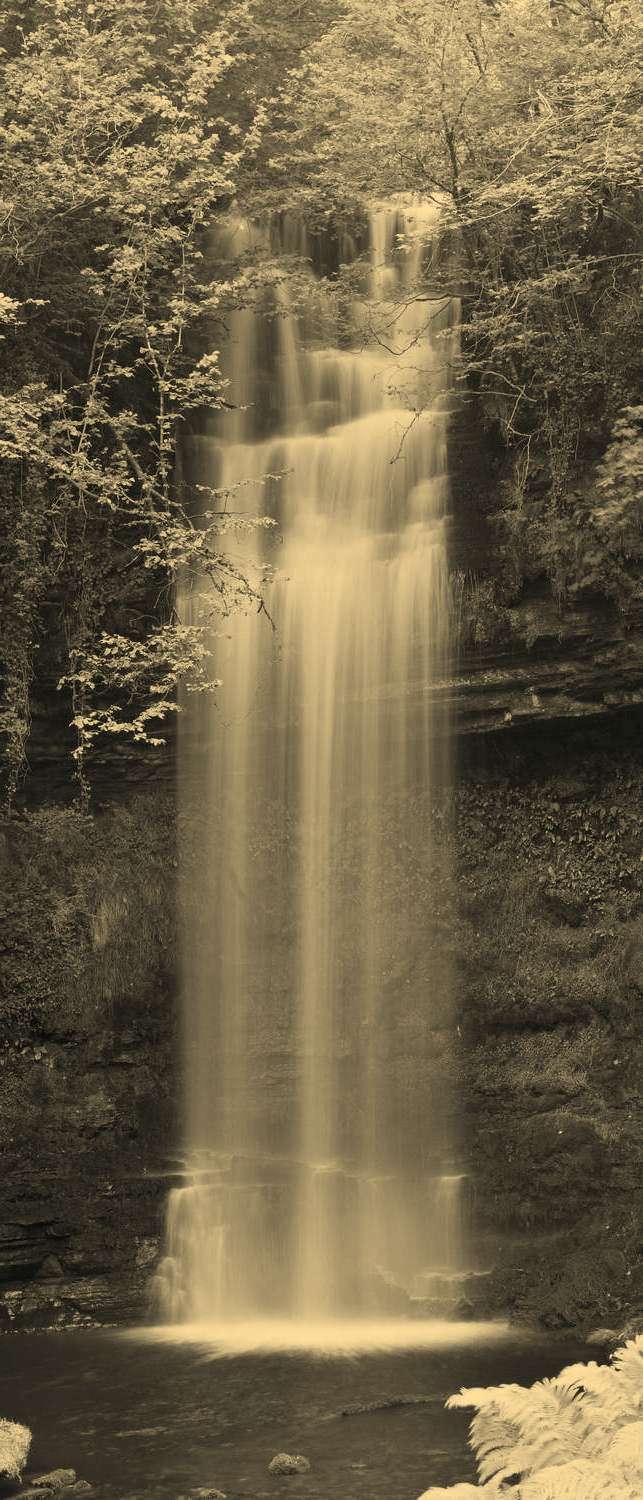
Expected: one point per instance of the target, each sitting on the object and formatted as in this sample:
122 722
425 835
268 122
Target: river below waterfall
143 1419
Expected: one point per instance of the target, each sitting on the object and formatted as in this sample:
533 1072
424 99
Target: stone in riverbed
204 1493
15 1442
57 1479
604 1337
288 1463
612 1338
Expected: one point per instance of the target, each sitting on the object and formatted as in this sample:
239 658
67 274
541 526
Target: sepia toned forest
505 910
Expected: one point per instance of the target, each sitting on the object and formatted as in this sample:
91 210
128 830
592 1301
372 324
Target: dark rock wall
87 1058
550 958
525 656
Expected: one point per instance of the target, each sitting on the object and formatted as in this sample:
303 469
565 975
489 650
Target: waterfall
321 1175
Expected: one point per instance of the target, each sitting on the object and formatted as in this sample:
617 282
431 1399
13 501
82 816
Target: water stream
321 1160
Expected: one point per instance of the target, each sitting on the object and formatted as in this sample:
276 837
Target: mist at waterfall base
322 1192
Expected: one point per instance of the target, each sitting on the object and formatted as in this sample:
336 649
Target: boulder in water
57 1479
288 1463
612 1338
15 1442
205 1492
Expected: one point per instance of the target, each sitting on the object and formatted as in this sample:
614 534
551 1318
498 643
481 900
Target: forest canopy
127 128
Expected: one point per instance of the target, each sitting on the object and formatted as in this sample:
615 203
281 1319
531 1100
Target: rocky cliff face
526 657
550 958
87 1060
552 665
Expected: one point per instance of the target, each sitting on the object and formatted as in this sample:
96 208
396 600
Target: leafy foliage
148 672
546 941
82 930
478 615
578 1436
114 159
535 168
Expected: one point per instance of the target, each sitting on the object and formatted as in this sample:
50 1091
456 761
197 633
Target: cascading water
316 986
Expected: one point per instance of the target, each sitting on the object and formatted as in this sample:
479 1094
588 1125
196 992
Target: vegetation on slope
548 950
87 913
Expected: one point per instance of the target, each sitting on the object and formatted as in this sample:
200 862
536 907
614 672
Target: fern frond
595 1404
590 1377
577 1436
525 1430
462 1492
628 1361
581 1479
496 1444
626 1450
480 1396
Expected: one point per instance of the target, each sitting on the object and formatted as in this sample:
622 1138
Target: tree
522 118
114 157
